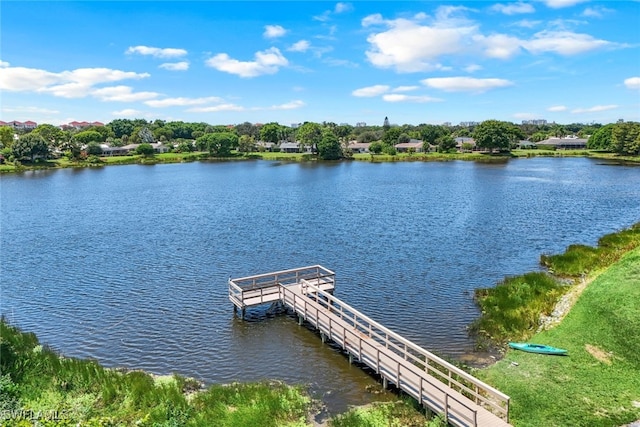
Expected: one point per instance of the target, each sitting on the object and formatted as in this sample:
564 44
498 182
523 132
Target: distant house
526 145
129 149
289 147
81 125
462 140
563 143
268 146
113 151
414 145
20 125
359 147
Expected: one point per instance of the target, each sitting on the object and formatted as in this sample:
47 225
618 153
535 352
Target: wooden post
300 319
350 359
323 337
385 383
242 313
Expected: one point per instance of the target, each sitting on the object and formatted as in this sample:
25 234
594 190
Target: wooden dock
436 384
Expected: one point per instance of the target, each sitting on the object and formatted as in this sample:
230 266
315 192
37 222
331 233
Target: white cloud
266 62
596 12
410 47
300 46
217 108
632 83
594 109
397 97
3 64
499 46
343 7
513 8
122 94
175 66
293 105
557 108
335 62
465 84
34 110
157 52
274 31
472 68
370 91
181 102
375 19
563 43
76 83
405 88
558 4
127 112
324 17
526 23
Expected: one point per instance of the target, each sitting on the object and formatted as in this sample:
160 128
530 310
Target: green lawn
598 384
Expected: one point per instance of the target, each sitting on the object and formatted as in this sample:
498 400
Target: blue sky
234 61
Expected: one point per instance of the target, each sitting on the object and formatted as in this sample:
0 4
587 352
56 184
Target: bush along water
40 387
513 308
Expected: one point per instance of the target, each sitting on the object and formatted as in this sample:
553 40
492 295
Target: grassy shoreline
512 309
299 157
598 383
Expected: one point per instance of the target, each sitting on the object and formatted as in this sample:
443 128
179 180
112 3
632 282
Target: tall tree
310 135
391 136
52 134
625 138
6 137
493 134
121 127
329 146
601 139
271 132
218 143
87 136
30 146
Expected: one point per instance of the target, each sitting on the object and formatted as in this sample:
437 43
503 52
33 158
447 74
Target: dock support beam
385 383
300 319
350 359
323 337
235 311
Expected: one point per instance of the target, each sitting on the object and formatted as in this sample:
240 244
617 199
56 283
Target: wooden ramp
435 383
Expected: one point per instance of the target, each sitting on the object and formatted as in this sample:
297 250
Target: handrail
332 303
319 271
424 376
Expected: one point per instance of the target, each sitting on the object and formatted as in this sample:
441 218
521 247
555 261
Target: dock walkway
436 384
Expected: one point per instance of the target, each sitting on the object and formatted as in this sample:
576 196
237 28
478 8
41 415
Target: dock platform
436 384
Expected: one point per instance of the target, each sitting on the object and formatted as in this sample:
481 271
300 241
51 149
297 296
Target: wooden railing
407 357
239 287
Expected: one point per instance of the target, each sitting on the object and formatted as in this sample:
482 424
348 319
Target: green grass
598 383
580 260
35 378
403 413
511 309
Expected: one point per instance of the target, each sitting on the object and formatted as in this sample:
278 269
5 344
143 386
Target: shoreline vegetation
98 161
596 385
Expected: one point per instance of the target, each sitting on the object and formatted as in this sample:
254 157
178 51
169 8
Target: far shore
301 157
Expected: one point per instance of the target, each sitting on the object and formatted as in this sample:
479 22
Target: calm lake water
129 264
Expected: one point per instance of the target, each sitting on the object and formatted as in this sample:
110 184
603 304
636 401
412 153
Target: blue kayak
538 348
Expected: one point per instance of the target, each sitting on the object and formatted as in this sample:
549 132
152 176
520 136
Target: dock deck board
394 358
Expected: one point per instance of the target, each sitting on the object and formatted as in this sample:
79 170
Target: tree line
326 140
